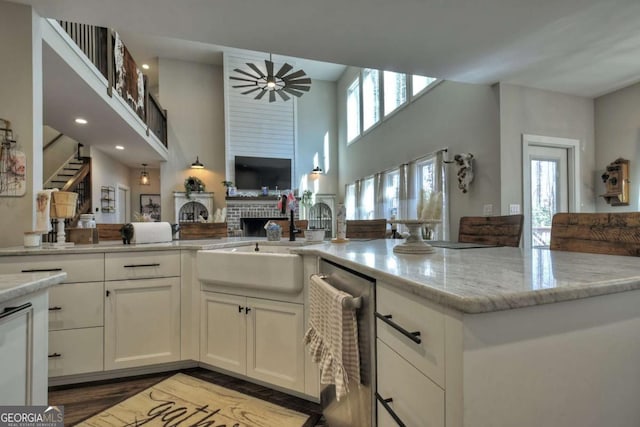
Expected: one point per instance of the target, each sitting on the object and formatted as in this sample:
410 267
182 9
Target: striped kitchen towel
332 336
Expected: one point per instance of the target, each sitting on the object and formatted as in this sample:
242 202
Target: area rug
182 401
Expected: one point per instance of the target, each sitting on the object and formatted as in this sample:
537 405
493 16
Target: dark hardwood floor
84 400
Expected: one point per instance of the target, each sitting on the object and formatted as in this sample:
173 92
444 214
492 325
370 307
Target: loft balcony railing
107 52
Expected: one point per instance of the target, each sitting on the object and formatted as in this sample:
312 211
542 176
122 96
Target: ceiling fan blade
256 69
251 90
295 75
284 70
272 96
239 86
241 79
238 70
261 94
297 81
292 91
269 66
283 95
298 87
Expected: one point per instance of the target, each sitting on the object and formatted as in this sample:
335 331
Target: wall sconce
144 175
197 164
316 171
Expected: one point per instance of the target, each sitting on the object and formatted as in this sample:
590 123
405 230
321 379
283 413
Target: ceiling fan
282 82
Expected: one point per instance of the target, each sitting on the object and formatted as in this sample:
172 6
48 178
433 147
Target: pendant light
197 164
144 175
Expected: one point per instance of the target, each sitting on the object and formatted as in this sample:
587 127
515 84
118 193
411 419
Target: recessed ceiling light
145 66
119 147
81 121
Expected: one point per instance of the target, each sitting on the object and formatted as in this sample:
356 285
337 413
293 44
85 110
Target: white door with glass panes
549 181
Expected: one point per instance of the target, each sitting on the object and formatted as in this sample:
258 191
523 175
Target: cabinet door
76 305
142 322
16 341
223 331
75 351
275 352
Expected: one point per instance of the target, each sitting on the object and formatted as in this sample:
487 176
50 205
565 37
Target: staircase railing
98 44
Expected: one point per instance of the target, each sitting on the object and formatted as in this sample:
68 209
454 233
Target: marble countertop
17 285
117 246
487 279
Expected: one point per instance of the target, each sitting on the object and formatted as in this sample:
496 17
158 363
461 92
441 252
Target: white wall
617 123
192 93
317 121
21 103
539 112
105 172
461 117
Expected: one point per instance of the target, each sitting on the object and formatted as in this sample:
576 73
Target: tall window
391 193
419 83
427 176
370 98
367 201
395 91
350 201
353 110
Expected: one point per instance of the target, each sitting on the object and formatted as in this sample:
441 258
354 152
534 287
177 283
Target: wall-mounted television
252 173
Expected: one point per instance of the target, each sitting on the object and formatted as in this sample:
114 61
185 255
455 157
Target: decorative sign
13 172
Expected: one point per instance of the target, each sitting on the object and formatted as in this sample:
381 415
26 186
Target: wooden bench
202 230
367 228
503 230
598 233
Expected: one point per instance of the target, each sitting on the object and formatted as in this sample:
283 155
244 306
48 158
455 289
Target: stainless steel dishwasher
357 409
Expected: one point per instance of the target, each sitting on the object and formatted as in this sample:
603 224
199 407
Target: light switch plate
487 210
514 209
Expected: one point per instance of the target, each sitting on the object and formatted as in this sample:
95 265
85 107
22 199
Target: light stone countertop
117 246
487 279
17 285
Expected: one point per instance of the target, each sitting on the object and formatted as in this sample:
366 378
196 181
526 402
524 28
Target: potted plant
191 184
227 184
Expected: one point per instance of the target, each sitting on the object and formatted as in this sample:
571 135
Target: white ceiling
580 47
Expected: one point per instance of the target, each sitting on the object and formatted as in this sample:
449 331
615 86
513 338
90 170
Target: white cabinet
142 322
410 359
142 308
23 355
75 309
256 337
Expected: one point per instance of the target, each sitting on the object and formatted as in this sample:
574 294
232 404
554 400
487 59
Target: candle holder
414 243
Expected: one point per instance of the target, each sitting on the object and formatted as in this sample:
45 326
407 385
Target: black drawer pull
54 355
247 310
385 404
413 336
240 308
56 308
8 311
142 265
41 270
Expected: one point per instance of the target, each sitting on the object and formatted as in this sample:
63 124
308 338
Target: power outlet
514 209
487 210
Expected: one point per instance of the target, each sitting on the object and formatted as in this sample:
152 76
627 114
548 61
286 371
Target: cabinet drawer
417 400
76 305
79 267
75 351
142 265
413 314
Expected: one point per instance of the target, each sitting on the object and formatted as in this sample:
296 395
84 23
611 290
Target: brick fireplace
255 211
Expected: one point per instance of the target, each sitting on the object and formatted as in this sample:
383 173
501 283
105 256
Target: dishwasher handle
8 311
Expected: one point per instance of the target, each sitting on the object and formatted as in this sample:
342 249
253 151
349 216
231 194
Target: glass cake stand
414 244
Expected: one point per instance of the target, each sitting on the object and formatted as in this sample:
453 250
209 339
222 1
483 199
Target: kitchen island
508 337
23 337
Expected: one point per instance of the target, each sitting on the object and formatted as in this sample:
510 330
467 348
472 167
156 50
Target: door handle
8 311
385 404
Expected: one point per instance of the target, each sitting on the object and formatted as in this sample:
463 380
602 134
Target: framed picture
150 204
